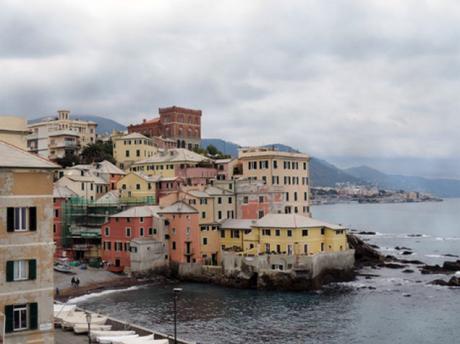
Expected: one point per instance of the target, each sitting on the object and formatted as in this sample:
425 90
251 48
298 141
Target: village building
181 125
61 194
13 129
132 148
54 137
289 234
26 247
140 222
276 168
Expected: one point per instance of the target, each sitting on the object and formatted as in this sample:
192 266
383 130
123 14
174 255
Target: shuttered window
21 317
21 219
20 270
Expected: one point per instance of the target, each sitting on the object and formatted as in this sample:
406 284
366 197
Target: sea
392 307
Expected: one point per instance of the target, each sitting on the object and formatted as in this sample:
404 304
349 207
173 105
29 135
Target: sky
354 82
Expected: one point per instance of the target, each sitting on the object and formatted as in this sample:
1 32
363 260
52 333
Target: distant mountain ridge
104 125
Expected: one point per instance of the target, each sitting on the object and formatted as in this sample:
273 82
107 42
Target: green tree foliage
68 160
97 152
211 151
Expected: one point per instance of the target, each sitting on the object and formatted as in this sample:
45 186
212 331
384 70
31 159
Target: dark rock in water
414 235
393 266
365 254
414 261
366 233
451 255
452 266
446 268
453 282
402 248
374 246
407 295
406 253
408 271
438 282
371 288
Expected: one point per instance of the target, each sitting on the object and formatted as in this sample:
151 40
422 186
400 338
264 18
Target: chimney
144 120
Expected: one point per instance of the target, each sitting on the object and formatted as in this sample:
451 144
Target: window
289 232
21 219
141 220
141 231
150 231
295 196
18 270
245 200
260 214
277 232
138 152
20 318
275 164
322 231
266 232
219 200
127 153
219 215
128 232
305 249
222 233
173 245
230 200
205 241
107 231
203 215
304 232
235 233
322 246
138 186
56 212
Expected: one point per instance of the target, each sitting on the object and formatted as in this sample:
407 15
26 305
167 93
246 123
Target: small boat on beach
141 340
83 328
97 333
110 340
64 268
61 311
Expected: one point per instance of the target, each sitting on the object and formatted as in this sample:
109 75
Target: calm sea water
401 309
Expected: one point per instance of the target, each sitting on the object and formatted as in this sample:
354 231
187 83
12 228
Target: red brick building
181 125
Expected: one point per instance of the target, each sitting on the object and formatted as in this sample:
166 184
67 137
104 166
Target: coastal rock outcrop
365 254
446 268
453 282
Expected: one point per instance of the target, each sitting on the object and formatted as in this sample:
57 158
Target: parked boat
97 333
141 340
109 340
60 311
83 328
63 268
77 317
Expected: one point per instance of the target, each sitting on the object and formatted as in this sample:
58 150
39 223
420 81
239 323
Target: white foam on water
86 297
434 255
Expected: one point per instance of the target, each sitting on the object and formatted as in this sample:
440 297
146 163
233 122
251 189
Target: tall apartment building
175 123
26 247
274 168
55 137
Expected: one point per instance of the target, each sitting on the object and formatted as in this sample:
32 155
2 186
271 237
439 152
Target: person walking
77 282
73 282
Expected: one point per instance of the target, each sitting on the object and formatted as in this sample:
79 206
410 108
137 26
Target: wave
434 255
447 238
86 297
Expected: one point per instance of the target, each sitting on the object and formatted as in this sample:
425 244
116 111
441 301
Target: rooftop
254 152
132 136
292 221
12 156
178 207
237 224
174 155
62 192
140 211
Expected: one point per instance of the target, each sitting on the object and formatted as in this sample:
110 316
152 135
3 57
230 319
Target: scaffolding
83 218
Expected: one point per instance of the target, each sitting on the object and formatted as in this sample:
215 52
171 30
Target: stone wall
281 272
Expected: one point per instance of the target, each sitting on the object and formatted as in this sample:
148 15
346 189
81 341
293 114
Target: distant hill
322 173
104 125
437 187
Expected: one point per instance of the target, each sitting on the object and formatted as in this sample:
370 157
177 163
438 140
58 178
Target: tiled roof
237 224
132 136
60 191
198 193
174 155
292 221
107 167
12 156
179 207
141 211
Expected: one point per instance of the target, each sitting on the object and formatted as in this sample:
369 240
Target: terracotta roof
12 156
292 221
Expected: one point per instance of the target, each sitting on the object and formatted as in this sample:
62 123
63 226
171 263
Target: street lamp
88 321
176 291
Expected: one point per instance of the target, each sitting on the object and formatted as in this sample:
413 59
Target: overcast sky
359 79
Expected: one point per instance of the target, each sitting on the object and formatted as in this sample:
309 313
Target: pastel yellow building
276 168
289 234
138 186
132 148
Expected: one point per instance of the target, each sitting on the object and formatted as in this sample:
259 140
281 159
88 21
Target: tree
68 160
97 152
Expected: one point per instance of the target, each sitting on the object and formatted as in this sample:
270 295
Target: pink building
117 233
196 175
182 225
